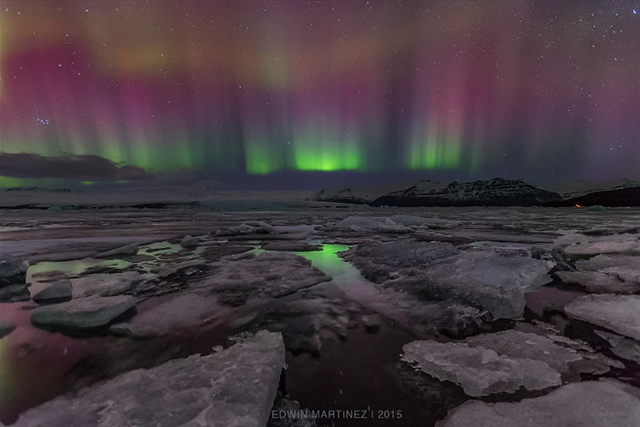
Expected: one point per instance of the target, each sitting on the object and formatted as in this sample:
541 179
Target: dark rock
189 242
58 292
13 272
6 328
371 322
14 293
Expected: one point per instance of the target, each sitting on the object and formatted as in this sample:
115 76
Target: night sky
301 94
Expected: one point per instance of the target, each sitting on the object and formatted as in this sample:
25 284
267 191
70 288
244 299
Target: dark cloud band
67 166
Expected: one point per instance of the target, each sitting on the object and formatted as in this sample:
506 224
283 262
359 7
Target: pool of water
363 371
35 365
546 303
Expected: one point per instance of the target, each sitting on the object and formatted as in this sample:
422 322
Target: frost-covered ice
525 345
114 284
130 249
364 223
493 280
233 387
461 273
610 273
626 348
479 370
306 322
597 282
580 246
269 274
83 313
619 313
505 361
135 331
604 403
181 312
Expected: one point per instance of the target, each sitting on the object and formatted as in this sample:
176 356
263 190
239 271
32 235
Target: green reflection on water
74 267
331 264
159 248
328 261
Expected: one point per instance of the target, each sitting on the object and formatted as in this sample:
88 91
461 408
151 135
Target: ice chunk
270 274
235 387
619 313
592 403
82 313
477 371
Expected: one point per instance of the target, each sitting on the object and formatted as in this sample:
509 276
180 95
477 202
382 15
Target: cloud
68 166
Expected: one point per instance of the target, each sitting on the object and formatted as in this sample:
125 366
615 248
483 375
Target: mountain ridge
493 192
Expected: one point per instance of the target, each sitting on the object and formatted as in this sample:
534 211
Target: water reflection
35 364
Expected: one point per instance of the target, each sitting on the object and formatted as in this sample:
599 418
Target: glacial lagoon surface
327 315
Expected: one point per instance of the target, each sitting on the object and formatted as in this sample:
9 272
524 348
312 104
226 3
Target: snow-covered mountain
493 192
363 194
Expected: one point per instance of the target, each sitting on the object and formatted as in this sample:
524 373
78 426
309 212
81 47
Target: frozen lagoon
440 275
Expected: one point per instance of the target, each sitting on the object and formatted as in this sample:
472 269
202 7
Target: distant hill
569 190
493 192
614 198
41 189
364 194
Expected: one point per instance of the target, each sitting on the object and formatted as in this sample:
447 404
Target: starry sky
300 94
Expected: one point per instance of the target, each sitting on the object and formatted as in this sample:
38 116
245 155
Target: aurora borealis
540 90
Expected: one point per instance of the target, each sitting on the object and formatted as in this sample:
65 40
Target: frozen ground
449 315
